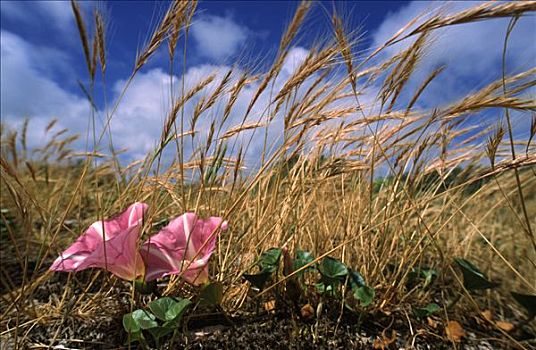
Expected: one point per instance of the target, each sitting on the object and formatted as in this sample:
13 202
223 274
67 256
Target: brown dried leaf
505 326
487 314
454 331
307 311
384 341
269 305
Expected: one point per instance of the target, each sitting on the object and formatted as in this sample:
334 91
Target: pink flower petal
183 247
111 245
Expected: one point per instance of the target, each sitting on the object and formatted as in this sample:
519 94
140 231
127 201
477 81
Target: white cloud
59 11
294 59
55 14
138 121
27 91
217 37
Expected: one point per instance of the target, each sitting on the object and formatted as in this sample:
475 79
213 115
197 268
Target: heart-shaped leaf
365 295
174 313
356 280
428 310
212 294
473 279
258 280
138 320
159 307
362 292
303 258
332 270
269 260
527 301
130 324
268 263
417 274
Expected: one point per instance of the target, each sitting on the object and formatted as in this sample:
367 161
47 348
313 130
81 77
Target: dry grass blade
242 127
312 64
295 23
175 29
287 38
101 44
175 14
400 74
484 11
83 37
170 120
493 144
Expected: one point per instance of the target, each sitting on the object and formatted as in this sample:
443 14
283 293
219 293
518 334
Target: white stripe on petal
190 249
186 227
99 227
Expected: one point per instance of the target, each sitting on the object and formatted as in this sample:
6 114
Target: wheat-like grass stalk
101 43
84 39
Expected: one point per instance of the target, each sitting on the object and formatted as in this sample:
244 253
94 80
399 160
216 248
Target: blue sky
42 59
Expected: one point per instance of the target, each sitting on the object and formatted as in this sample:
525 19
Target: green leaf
527 301
269 260
138 320
212 294
332 270
356 280
174 313
259 279
130 324
428 310
473 279
145 319
303 258
362 292
365 295
160 306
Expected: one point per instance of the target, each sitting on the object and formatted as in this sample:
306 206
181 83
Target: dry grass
330 201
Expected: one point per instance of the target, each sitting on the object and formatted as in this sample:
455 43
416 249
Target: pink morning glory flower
110 245
183 247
